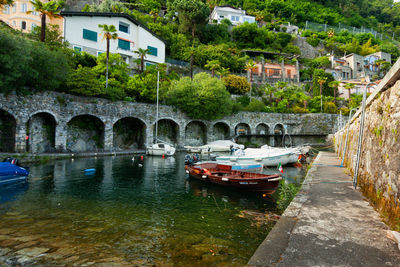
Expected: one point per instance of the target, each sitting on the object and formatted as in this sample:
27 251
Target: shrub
236 84
203 97
83 81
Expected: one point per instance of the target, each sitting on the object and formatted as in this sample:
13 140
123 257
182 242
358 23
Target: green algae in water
129 214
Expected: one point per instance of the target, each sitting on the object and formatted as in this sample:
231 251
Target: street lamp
360 135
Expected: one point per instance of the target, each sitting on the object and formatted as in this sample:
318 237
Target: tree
334 85
142 53
203 97
236 84
222 72
249 67
349 86
191 14
269 90
213 65
51 9
83 81
109 33
321 81
6 2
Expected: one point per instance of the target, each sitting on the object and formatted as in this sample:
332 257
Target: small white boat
160 149
215 146
266 158
236 166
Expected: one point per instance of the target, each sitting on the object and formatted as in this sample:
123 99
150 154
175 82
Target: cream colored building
16 17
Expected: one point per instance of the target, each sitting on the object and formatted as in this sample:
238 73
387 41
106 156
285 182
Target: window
234 18
123 27
289 72
33 25
221 17
6 9
23 25
34 12
276 72
152 50
77 49
124 45
23 8
14 8
89 35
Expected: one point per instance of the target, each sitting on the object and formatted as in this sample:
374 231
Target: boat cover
6 169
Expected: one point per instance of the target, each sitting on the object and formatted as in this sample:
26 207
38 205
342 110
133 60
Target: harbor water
131 212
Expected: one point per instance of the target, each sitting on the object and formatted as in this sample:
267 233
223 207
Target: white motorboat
267 158
215 146
160 149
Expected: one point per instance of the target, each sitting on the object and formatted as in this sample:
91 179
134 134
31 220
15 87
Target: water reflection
142 211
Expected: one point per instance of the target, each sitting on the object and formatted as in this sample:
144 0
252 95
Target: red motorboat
223 175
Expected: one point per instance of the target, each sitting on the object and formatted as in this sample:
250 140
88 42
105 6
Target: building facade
81 30
236 15
16 17
354 66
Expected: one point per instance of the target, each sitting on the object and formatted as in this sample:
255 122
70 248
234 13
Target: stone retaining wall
62 108
379 171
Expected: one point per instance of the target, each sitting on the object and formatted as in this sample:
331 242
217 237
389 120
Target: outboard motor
188 159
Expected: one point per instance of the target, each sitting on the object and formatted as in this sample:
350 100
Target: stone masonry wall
379 171
63 108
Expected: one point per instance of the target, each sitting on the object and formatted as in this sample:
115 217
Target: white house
81 30
235 15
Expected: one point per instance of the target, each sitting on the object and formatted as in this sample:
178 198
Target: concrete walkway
328 224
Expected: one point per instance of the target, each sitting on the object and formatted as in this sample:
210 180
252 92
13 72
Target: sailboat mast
158 87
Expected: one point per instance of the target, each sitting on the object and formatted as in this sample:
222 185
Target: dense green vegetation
27 65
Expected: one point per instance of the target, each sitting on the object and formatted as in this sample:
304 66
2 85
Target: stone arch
85 133
195 133
55 117
262 129
8 125
242 129
279 131
41 129
221 131
168 130
129 133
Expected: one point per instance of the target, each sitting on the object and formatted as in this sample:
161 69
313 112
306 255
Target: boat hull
267 161
254 182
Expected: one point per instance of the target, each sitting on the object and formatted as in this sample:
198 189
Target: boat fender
204 176
187 171
225 179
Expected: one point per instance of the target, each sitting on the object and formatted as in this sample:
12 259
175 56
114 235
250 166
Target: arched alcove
129 133
168 131
85 133
41 130
195 133
242 129
279 131
7 131
262 129
221 131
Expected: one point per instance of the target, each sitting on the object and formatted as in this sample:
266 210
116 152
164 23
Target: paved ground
328 224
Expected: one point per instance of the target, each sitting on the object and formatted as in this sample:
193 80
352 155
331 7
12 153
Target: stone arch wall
262 129
168 130
8 124
108 112
221 131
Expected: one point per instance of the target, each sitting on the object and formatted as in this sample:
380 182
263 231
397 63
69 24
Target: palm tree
269 90
142 53
51 9
335 86
109 32
321 81
249 67
222 72
349 86
213 65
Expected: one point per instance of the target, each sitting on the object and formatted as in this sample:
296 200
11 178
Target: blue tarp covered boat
11 173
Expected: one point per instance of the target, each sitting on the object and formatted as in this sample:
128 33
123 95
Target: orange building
274 71
16 17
